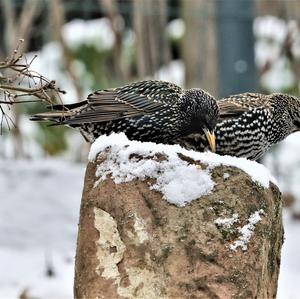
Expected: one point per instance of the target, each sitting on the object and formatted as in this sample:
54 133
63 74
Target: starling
155 111
250 123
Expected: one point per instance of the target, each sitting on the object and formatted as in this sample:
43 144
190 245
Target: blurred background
222 46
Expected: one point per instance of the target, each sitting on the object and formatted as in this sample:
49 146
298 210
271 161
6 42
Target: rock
132 243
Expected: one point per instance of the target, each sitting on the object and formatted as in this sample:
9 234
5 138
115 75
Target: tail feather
56 117
59 117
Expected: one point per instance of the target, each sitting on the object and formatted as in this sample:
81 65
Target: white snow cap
247 231
179 181
227 222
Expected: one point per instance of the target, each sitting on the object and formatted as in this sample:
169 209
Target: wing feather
235 105
132 100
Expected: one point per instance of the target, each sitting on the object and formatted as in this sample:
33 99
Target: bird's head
205 113
294 111
288 111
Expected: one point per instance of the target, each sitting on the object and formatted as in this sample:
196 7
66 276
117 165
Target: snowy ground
285 165
38 225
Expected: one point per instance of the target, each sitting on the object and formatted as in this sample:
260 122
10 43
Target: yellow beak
211 138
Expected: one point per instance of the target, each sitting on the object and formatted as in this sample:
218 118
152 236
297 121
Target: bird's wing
235 105
132 100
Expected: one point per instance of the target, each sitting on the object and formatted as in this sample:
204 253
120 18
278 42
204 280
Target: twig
18 80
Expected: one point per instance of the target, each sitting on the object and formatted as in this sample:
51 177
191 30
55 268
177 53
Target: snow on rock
227 222
226 175
247 231
179 181
256 171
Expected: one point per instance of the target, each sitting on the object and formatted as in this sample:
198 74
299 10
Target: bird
250 124
150 110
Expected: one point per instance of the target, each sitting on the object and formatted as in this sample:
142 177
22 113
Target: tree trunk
121 69
132 243
149 20
200 45
57 19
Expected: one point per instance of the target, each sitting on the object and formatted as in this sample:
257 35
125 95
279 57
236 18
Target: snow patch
247 231
227 222
280 76
258 172
127 160
226 175
176 29
270 27
173 72
179 181
97 32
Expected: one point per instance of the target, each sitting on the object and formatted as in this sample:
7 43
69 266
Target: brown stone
134 244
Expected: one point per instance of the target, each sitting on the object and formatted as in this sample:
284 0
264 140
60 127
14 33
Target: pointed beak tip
211 138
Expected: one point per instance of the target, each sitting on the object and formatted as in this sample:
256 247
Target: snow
38 227
289 275
97 32
172 72
26 270
270 27
279 77
179 181
38 216
258 172
284 162
176 29
226 175
271 34
246 231
227 222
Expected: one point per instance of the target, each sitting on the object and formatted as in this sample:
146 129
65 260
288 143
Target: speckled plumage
150 110
250 124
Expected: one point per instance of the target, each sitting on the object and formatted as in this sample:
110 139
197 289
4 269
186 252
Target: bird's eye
297 123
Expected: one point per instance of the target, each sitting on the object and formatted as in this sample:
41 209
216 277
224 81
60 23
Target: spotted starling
150 110
250 123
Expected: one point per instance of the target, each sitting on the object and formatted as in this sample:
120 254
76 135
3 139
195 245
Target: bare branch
18 80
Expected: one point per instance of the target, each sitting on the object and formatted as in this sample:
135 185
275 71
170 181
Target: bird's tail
58 117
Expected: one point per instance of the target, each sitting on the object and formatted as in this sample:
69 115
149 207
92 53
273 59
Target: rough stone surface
134 244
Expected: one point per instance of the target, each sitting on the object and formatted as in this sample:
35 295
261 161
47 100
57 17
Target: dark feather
119 103
236 105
